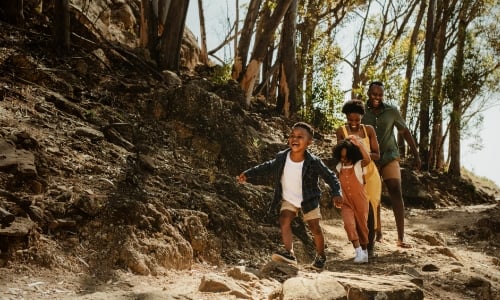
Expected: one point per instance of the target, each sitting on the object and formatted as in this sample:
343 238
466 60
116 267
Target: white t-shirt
291 181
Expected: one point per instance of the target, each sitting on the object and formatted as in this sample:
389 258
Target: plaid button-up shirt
312 170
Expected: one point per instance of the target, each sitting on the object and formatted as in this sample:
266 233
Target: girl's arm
362 149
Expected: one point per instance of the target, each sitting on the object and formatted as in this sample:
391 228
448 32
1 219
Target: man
384 117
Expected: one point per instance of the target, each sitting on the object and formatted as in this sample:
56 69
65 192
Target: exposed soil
456 268
122 184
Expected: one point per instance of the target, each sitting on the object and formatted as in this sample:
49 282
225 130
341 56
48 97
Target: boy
297 175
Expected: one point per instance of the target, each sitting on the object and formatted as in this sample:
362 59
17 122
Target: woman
354 110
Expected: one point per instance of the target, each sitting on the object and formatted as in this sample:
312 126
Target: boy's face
375 95
299 139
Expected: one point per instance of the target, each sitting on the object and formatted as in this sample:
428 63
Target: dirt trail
433 235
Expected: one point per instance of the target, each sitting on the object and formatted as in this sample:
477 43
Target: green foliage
327 100
221 73
257 143
89 114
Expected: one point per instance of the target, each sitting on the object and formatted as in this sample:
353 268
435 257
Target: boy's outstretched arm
330 179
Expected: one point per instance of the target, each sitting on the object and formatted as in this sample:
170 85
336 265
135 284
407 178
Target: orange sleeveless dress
373 184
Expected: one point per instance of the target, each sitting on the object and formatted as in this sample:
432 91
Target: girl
353 157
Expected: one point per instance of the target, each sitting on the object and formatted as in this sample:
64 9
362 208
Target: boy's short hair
305 126
354 106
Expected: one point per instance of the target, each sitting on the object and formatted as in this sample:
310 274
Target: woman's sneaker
284 256
319 262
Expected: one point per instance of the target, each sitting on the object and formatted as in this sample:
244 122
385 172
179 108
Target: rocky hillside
108 164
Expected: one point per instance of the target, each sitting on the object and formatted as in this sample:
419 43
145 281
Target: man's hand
337 201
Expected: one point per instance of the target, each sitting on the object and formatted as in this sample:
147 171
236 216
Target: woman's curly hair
354 106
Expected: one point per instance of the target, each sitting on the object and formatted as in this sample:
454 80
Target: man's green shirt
384 122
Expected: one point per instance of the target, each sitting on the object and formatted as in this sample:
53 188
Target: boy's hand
337 201
242 178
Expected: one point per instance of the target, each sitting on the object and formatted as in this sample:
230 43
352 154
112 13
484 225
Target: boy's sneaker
319 262
284 256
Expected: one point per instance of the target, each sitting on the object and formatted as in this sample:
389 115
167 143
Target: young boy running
297 173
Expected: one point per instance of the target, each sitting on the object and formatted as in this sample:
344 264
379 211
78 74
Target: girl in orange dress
353 159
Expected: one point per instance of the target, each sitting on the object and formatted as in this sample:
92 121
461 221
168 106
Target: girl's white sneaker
361 256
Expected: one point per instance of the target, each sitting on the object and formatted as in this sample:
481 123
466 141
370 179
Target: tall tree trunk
408 16
309 84
14 11
262 42
457 93
62 27
304 56
171 39
203 33
241 55
410 64
153 16
436 153
357 79
426 87
236 25
286 102
268 70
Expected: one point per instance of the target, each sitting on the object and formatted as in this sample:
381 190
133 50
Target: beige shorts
391 170
311 215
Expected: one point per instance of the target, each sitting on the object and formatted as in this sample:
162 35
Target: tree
426 86
456 94
375 39
263 39
410 66
318 19
61 27
444 13
240 58
171 39
203 52
288 71
13 10
162 28
153 16
236 25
